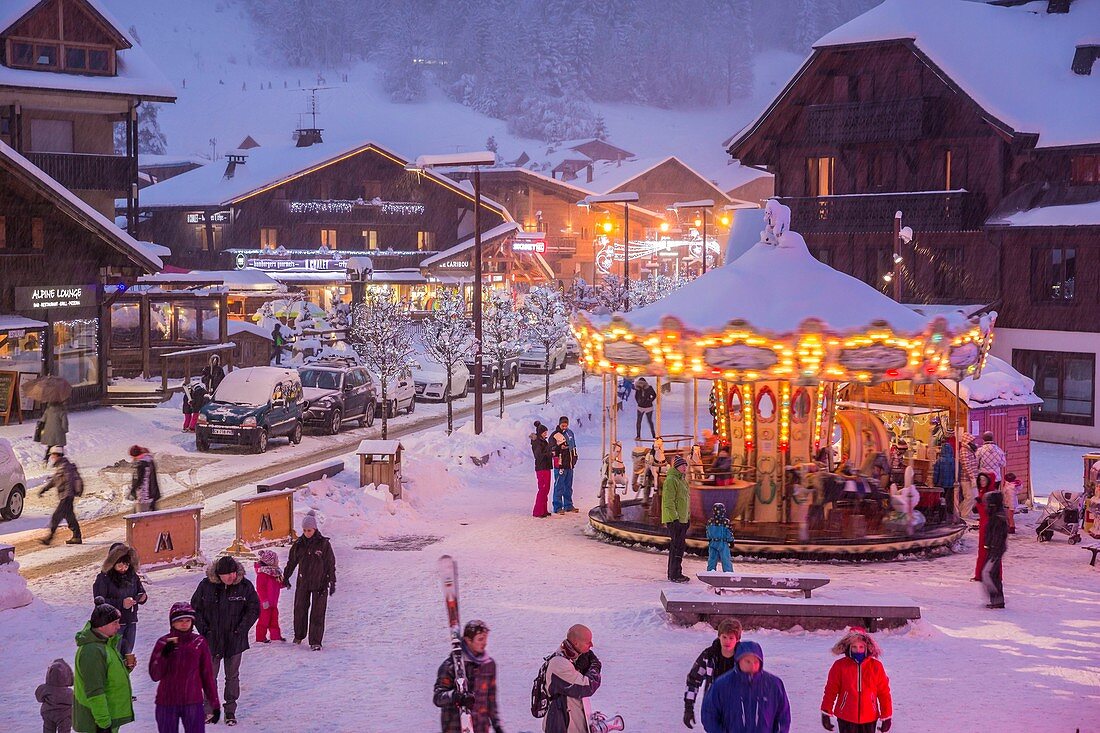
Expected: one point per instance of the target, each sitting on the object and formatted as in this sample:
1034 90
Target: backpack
540 700
78 483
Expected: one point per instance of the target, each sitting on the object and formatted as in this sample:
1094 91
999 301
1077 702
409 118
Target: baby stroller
1063 515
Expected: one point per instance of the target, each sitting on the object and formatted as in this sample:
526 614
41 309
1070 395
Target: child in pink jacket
269 581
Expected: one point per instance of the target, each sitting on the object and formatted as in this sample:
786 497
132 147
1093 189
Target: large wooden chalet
981 124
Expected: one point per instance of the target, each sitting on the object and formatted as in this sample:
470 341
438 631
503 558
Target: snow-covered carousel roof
778 312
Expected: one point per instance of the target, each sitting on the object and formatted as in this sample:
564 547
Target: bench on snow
301 476
804 582
828 610
1094 548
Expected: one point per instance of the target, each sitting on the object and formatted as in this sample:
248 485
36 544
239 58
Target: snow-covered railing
188 354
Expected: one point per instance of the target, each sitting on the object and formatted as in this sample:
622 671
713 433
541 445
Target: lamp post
704 205
626 199
475 160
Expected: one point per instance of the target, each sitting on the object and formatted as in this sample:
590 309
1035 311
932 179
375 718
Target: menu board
9 397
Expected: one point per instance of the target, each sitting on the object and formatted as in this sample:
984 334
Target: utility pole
897 256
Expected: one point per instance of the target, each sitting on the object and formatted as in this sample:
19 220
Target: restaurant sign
524 242
282 259
43 297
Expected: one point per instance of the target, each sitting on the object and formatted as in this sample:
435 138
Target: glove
215 715
826 721
465 701
286 583
885 725
332 589
497 727
167 650
689 714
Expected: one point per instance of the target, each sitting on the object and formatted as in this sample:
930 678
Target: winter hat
680 464
136 450
181 610
718 514
309 521
746 648
268 557
225 565
858 633
103 613
540 428
57 450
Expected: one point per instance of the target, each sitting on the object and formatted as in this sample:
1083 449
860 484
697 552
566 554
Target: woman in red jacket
858 690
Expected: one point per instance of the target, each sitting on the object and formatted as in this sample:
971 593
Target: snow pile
13 587
999 384
344 508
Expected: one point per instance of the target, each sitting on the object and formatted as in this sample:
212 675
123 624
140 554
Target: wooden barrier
301 477
166 538
262 520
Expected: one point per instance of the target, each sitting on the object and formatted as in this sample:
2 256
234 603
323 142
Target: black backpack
540 700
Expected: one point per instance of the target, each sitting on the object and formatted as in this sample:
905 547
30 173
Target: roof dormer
67 36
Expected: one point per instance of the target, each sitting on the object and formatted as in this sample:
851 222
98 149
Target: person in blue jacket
720 536
747 699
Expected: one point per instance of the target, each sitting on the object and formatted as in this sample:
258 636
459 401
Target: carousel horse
655 462
639 473
614 472
696 464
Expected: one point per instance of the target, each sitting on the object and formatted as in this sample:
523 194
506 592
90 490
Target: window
370 239
100 60
1084 169
425 241
882 170
820 176
76 58
38 233
880 260
75 354
372 190
125 326
328 238
45 56
1064 381
947 170
765 405
22 54
1055 272
269 238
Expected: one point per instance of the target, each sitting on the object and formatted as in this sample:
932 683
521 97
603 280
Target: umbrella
47 389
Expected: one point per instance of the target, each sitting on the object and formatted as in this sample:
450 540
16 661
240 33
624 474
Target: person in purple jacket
182 665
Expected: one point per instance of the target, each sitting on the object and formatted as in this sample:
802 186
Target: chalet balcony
867 122
85 171
927 211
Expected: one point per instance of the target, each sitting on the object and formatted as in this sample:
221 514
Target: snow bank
999 384
13 587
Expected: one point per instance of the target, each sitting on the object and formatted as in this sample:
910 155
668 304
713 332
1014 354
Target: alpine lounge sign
43 297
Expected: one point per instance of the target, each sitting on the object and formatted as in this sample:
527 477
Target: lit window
328 238
820 176
370 239
425 241
1055 274
269 238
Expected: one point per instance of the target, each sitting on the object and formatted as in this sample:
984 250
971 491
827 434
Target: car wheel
561 364
494 383
202 444
261 442
296 435
368 417
13 508
513 379
412 406
335 420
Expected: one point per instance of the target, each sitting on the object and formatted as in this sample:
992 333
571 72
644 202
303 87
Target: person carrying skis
480 698
712 663
312 555
720 537
857 690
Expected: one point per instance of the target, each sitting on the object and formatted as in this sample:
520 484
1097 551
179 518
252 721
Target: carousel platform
775 541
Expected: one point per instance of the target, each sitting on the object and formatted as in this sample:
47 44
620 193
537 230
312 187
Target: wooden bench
7 554
871 610
804 582
1094 548
301 477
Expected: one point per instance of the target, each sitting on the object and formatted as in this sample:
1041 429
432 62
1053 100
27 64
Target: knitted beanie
309 521
181 610
103 613
225 565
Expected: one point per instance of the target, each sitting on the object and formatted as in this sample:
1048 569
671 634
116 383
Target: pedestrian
1010 488
720 537
747 699
102 698
480 698
56 696
312 555
996 543
991 459
194 399
564 444
573 674
985 488
119 583
66 479
943 474
968 462
53 427
277 341
675 516
712 663
226 606
857 690
544 462
644 397
212 375
709 444
144 487
183 669
269 583
626 388
722 468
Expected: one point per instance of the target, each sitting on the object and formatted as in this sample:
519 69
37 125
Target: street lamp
704 205
626 199
474 160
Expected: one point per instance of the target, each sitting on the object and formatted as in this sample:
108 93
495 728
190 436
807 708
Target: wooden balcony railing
866 122
928 211
86 171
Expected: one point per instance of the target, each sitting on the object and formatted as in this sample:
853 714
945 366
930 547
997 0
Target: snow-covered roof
141 253
1067 215
496 232
608 175
136 74
234 327
733 175
999 385
1013 61
152 160
12 323
247 279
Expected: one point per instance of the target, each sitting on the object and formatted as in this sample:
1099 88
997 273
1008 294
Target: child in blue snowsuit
720 536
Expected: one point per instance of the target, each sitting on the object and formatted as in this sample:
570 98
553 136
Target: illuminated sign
529 244
199 217
48 296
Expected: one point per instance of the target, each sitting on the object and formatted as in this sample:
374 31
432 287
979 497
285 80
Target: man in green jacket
674 514
101 684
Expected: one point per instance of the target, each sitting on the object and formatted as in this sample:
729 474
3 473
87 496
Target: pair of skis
448 573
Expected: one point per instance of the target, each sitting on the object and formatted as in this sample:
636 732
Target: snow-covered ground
1033 667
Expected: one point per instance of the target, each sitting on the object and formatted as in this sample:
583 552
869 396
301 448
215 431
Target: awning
16 323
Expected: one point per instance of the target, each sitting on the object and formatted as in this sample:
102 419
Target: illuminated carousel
773 352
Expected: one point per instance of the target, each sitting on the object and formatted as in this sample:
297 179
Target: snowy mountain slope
227 89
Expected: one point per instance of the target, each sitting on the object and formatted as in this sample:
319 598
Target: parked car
431 379
13 482
400 393
491 374
572 348
337 390
251 406
534 359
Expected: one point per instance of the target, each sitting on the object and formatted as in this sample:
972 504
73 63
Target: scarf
269 564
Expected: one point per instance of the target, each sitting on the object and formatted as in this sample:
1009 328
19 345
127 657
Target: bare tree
449 338
382 336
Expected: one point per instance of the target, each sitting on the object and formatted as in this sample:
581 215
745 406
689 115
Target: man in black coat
996 542
226 607
312 555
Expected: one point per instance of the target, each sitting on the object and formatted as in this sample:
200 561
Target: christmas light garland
344 206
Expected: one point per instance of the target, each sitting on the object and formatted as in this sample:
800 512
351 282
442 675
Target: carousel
776 359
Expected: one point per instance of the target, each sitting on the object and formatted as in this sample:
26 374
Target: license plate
223 431
420 389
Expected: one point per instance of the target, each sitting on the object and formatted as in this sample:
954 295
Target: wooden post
658 410
626 263
144 320
695 407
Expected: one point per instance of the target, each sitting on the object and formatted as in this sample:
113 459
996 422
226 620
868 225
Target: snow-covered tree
544 316
502 333
600 131
381 334
448 338
491 144
150 137
611 293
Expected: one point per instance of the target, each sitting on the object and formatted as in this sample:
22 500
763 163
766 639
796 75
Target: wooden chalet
981 125
68 74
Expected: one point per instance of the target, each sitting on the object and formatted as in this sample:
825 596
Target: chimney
1084 58
1058 6
589 168
307 136
234 158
